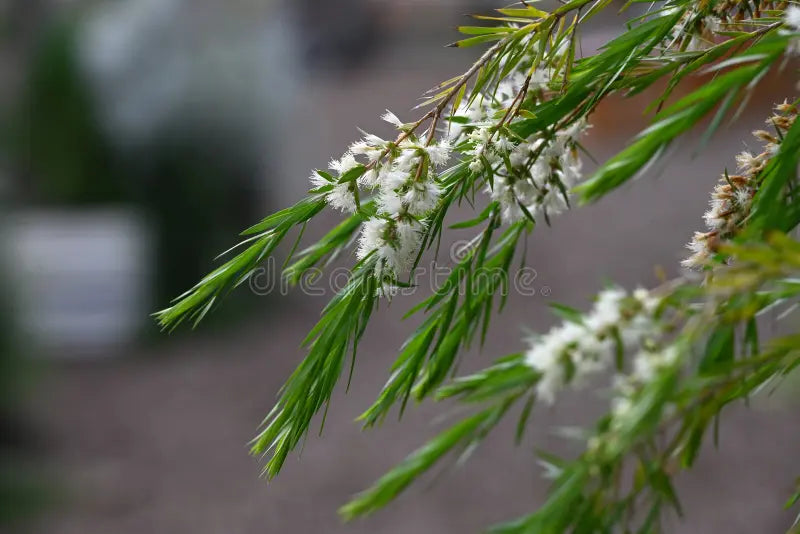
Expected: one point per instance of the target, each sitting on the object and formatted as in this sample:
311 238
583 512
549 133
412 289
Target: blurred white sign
81 278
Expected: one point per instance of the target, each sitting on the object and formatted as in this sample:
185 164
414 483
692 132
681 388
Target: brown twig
436 112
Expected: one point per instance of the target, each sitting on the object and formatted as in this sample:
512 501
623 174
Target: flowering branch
511 127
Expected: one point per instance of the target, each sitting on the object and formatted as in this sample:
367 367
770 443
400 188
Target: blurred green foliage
67 157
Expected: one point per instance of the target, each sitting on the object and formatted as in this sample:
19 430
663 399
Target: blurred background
140 136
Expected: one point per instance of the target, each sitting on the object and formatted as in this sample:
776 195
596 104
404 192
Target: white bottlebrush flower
606 312
481 136
712 23
732 197
539 173
422 198
637 330
550 354
702 250
771 149
397 256
509 88
791 17
371 146
404 188
439 153
342 198
407 160
542 171
551 383
389 180
698 242
503 144
342 166
510 195
552 202
409 237
474 111
369 179
590 347
714 217
390 203
747 162
596 354
395 244
360 148
317 180
544 352
648 301
488 147
621 409
373 140
519 155
372 236
647 364
392 119
540 79
476 165
744 197
574 131
568 333
546 357
570 173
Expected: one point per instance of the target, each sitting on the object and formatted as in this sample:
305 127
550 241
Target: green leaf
660 481
677 119
719 353
795 498
774 179
310 386
480 39
485 214
195 303
464 433
566 313
529 12
484 30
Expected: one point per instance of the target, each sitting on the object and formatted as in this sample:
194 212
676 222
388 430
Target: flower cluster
536 175
792 20
400 175
732 198
474 120
648 364
695 31
573 350
699 28
527 177
341 193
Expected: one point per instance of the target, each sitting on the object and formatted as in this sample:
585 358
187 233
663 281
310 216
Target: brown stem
436 112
